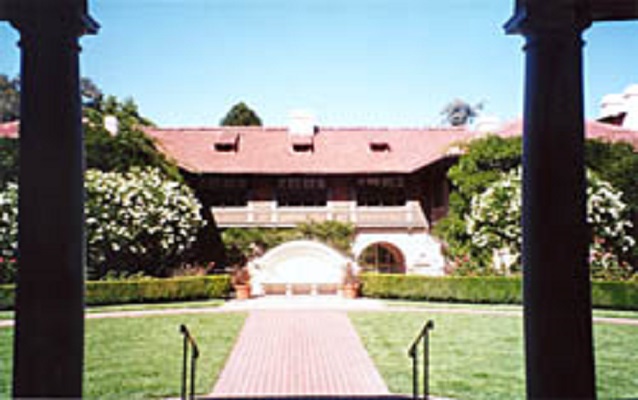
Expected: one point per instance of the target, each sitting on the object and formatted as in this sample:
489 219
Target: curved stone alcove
301 264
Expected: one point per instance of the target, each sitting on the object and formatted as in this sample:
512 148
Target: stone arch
364 241
299 263
382 256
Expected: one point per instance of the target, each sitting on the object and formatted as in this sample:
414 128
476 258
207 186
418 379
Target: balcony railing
268 214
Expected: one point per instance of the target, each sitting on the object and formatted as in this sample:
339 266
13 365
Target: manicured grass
156 306
598 312
481 357
4 315
140 358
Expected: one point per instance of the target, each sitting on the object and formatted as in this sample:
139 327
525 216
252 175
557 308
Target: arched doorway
382 257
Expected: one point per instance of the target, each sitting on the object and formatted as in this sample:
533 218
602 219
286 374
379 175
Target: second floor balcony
268 214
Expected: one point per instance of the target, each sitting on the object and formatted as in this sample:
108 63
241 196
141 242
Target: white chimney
487 124
630 96
111 124
302 123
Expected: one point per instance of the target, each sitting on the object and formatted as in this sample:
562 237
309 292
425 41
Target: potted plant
240 280
351 283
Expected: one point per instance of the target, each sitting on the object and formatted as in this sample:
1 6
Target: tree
138 221
91 94
9 152
494 225
241 115
239 242
9 98
485 161
129 147
459 112
616 163
336 234
8 232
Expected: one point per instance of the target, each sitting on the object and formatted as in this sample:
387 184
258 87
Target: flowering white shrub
494 223
8 232
136 221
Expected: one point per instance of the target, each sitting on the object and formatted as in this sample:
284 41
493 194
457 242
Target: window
379 147
382 258
303 148
226 147
381 191
302 143
224 191
227 142
301 192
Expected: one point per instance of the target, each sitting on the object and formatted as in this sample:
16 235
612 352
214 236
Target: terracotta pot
242 292
350 291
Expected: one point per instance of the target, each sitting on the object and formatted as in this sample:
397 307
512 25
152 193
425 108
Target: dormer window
302 148
302 143
227 142
379 147
225 147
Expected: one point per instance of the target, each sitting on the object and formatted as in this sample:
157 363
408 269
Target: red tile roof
594 129
264 150
334 150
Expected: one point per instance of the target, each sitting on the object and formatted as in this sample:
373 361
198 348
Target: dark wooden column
557 299
49 332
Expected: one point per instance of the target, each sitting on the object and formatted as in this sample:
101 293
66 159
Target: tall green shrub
138 221
494 223
8 232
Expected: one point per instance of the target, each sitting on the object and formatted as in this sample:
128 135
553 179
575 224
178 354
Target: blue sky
350 62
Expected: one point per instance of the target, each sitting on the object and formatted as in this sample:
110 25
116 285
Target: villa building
390 184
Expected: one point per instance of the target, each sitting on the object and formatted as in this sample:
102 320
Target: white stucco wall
421 251
298 262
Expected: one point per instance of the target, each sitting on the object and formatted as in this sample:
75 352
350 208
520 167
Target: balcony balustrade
268 214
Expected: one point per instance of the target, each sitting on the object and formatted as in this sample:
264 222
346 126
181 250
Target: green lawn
135 358
597 312
4 315
481 357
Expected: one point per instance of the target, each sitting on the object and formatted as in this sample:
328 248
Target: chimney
111 124
630 95
302 123
487 124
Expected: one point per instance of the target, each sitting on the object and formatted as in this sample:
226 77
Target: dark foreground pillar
49 332
558 322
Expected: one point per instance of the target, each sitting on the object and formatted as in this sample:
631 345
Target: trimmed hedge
619 295
143 291
454 289
7 297
616 295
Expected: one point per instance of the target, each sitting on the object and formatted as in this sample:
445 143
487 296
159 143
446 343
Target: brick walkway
299 353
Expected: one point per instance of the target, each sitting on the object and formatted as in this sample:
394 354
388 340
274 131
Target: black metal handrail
424 335
188 340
